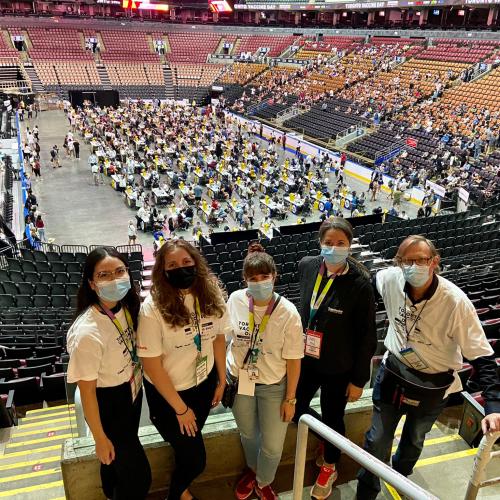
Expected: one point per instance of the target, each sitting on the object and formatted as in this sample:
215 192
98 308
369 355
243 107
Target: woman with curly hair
181 342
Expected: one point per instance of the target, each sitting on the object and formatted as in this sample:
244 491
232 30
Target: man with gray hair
432 327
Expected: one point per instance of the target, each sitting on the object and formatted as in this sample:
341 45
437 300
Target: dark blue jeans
378 439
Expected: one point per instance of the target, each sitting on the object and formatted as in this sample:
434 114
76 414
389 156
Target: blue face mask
113 291
416 276
334 255
261 290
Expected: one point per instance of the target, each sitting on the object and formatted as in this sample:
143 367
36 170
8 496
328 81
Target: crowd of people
192 348
182 164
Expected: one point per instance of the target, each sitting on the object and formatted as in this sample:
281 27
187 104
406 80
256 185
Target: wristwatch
291 401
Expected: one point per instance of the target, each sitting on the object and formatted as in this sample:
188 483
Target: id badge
136 380
253 373
201 369
313 343
413 359
246 387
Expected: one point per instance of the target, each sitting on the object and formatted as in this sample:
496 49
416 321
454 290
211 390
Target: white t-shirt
281 340
97 351
447 329
176 344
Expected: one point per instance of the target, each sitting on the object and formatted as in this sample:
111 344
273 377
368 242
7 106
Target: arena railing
362 457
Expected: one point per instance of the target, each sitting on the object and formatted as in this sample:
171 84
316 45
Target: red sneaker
324 483
266 493
246 485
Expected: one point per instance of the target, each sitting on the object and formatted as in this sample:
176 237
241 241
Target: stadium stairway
149 262
30 465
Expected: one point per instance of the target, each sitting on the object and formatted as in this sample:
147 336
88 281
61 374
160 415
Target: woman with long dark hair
104 364
338 315
182 327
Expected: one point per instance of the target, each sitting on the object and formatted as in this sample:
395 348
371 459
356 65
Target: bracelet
180 414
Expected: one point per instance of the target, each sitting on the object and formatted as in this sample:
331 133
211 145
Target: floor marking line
44 417
23 453
446 458
30 475
40 431
41 424
53 408
29 489
394 494
29 463
439 440
36 441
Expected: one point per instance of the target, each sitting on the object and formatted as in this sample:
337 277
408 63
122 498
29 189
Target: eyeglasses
120 272
421 261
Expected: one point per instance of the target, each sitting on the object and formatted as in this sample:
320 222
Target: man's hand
491 423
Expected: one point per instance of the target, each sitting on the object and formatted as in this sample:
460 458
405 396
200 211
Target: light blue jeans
261 429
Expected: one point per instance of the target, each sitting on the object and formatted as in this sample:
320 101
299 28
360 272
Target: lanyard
315 300
415 322
257 333
197 314
127 340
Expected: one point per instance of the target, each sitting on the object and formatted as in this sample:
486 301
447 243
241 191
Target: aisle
78 212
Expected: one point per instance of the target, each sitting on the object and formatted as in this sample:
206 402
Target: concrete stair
169 82
104 77
30 464
36 83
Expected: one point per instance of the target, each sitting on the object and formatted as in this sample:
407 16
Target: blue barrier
22 176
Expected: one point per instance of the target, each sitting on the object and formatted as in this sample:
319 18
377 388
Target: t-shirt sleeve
469 333
85 359
149 331
225 324
380 279
293 347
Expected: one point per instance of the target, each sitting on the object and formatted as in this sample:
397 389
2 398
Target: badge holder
413 359
313 343
201 369
136 380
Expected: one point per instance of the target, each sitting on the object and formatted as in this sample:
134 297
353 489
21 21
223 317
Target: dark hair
87 297
258 261
337 223
169 300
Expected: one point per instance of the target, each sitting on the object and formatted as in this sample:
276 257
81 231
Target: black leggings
190 455
128 477
332 399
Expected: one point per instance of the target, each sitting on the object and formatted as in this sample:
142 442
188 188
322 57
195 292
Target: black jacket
346 318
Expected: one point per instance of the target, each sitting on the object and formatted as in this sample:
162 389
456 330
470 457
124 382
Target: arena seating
242 73
310 49
326 123
275 43
466 51
120 48
191 47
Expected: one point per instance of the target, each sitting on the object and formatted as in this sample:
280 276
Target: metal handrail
362 457
483 457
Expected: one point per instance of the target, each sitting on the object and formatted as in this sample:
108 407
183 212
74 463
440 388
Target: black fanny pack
402 385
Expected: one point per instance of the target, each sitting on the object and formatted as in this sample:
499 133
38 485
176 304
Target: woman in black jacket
338 315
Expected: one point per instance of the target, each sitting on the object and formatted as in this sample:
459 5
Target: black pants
128 477
190 455
332 399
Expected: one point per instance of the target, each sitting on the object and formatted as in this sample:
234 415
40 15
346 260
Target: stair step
146 284
148 264
147 273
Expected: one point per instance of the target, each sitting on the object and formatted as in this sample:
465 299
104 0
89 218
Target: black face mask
182 277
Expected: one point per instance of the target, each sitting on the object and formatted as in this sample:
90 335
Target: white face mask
415 275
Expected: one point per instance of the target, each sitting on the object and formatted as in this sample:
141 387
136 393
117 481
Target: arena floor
76 211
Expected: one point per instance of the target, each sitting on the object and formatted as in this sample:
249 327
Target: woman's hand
219 392
104 450
353 393
187 423
287 411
